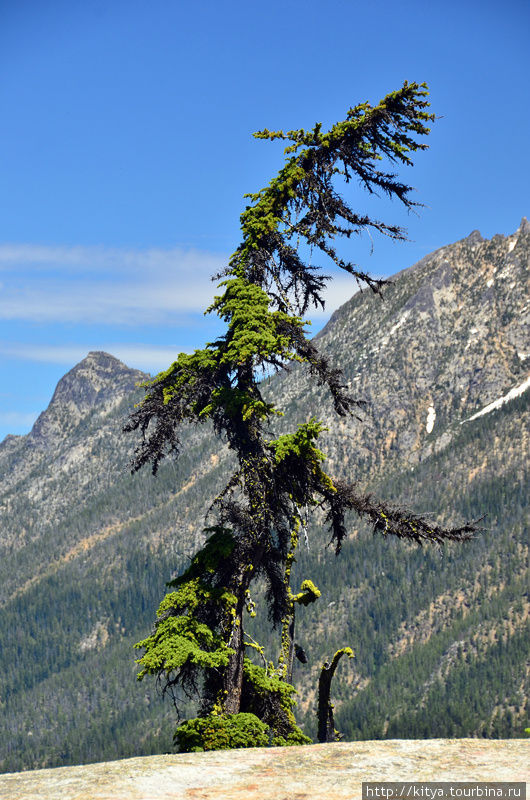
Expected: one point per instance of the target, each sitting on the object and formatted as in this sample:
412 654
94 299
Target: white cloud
117 285
149 358
338 291
104 285
102 258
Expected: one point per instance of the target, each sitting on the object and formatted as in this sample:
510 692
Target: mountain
440 636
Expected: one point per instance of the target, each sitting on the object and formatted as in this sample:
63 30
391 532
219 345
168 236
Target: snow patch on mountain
399 323
511 395
431 416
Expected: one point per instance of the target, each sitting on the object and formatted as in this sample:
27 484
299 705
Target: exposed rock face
321 772
475 237
452 334
524 227
451 337
60 441
99 382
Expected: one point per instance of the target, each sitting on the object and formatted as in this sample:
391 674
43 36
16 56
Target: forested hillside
441 637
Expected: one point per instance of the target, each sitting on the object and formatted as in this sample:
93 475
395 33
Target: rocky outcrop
99 381
319 772
451 334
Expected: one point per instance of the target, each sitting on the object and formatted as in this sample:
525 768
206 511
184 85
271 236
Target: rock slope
318 772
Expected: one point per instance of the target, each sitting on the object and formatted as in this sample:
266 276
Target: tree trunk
232 676
290 652
326 723
233 673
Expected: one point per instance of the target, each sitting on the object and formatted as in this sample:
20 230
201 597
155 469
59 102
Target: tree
326 722
198 643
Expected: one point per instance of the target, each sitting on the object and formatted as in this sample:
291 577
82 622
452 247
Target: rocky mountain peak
475 237
524 227
98 381
448 339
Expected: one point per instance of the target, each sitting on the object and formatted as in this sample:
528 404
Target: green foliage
180 641
217 548
344 651
254 331
296 451
300 444
267 289
293 739
227 732
273 698
263 685
351 147
180 638
308 594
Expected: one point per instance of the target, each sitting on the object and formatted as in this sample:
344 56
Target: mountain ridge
99 379
87 548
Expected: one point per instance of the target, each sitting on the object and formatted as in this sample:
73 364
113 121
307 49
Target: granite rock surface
317 772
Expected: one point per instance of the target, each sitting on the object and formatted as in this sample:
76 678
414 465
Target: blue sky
126 148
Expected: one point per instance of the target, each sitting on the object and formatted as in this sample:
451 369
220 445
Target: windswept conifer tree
198 643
